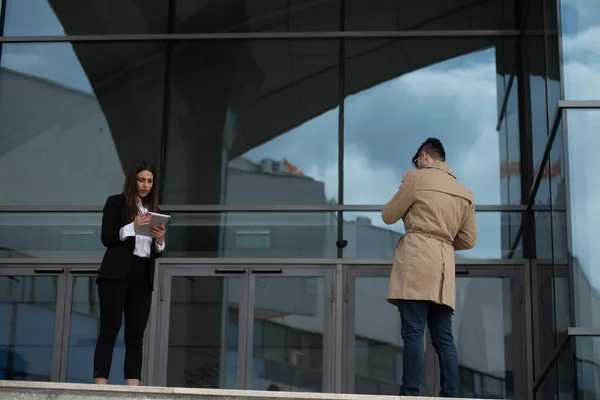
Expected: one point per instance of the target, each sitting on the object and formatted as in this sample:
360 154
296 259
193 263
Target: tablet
157 219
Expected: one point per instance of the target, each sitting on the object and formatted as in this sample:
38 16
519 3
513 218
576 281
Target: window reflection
369 237
378 346
50 235
253 235
536 57
482 327
543 235
588 367
26 304
585 216
199 234
97 107
288 333
399 92
253 122
390 15
199 16
203 350
84 17
484 335
83 332
580 50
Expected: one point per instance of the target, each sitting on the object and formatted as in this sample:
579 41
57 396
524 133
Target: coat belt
430 235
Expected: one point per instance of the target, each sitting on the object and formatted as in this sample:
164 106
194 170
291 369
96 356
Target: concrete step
16 390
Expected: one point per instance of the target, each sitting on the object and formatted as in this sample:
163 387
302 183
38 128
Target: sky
455 100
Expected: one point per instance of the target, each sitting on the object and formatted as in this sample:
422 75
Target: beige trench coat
439 217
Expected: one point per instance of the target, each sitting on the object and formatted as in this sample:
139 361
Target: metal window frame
195 37
261 208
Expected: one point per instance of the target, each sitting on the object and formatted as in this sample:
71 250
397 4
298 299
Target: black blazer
118 255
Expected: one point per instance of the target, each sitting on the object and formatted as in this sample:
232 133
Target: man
439 217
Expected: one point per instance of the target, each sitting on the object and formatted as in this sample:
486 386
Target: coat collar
442 166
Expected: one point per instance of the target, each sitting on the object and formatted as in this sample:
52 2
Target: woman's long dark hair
130 189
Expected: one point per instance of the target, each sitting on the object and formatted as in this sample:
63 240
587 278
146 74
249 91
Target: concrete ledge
19 390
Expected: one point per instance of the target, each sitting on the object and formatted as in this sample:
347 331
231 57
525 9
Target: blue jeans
414 315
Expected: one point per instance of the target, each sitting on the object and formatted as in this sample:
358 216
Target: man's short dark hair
433 147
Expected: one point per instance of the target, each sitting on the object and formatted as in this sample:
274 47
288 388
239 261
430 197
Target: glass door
31 321
487 329
81 329
200 326
488 332
290 328
238 327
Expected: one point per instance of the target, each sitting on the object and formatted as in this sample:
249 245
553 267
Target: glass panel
369 237
482 327
253 235
27 303
253 122
579 23
545 335
556 171
588 367
288 333
390 15
543 234
548 389
536 57
203 332
226 234
485 337
50 235
513 194
84 328
566 379
553 86
562 300
585 214
197 16
535 14
84 17
96 106
399 92
378 346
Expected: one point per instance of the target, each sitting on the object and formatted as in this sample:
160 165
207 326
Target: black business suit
125 284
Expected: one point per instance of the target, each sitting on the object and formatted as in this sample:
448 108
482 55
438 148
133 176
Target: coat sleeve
404 198
466 238
110 224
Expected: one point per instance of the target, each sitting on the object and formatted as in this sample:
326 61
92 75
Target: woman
126 276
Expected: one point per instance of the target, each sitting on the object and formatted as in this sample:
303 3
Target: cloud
52 61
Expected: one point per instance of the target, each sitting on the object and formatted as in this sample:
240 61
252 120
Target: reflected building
280 130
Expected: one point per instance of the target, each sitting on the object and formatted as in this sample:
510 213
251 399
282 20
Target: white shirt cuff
160 247
126 231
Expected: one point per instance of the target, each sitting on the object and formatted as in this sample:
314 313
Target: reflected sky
581 57
581 53
56 62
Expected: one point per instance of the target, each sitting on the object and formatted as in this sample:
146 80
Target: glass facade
279 130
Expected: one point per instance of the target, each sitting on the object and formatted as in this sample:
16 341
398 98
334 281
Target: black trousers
133 297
